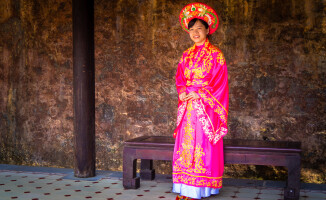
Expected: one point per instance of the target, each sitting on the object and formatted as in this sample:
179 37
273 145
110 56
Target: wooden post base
133 183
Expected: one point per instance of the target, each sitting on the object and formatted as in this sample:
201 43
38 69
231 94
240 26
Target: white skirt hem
193 191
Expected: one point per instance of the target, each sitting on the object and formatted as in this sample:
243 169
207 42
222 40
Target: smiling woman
198 31
202 85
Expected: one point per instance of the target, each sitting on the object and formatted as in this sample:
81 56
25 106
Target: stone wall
275 52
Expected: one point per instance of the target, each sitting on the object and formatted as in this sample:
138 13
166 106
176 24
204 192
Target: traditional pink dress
198 162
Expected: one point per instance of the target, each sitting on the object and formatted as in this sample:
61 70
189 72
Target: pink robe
201 124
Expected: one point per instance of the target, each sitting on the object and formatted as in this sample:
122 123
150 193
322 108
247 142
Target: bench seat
236 151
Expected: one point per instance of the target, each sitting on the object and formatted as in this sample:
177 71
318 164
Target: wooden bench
256 152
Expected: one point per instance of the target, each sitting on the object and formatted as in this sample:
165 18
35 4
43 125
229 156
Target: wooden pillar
84 88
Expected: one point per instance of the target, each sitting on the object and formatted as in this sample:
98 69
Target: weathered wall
36 83
275 52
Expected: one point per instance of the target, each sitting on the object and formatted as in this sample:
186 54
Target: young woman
202 85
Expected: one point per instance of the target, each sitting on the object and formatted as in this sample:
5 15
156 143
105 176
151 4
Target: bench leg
130 181
146 170
292 190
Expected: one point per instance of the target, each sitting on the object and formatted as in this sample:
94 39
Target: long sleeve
218 84
215 97
180 78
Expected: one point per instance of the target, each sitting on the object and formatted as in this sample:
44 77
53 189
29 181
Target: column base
291 194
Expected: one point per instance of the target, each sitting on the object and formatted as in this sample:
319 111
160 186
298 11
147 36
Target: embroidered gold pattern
199 63
198 73
220 58
186 156
191 160
199 153
181 112
196 82
216 100
220 110
187 73
209 100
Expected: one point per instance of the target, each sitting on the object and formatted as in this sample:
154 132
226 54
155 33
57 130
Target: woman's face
198 33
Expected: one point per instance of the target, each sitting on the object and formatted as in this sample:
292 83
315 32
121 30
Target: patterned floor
57 186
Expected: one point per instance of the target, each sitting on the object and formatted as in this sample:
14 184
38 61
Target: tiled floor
58 186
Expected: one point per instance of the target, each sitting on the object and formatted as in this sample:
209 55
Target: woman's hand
191 96
182 96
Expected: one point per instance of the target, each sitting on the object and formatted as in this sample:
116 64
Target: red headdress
200 11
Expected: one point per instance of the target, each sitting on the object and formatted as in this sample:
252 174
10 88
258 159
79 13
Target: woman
202 85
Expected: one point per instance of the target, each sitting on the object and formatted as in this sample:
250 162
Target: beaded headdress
200 11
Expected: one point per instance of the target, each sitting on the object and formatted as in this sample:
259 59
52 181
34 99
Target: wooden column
84 88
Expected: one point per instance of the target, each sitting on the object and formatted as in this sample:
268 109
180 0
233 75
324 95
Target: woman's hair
194 20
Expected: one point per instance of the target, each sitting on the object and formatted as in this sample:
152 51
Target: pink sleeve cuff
182 90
